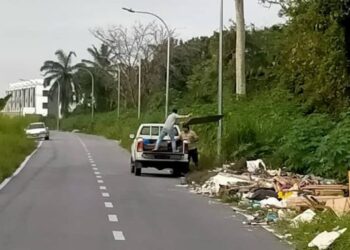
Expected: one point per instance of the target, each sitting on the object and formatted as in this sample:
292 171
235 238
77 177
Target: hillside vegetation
295 114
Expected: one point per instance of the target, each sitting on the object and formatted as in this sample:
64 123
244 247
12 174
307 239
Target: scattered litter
271 217
306 216
212 186
272 202
325 239
262 193
272 195
182 185
274 172
255 166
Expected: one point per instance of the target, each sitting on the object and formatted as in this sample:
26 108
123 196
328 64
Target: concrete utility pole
219 136
168 55
240 49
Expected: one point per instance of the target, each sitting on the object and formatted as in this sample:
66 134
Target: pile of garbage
276 194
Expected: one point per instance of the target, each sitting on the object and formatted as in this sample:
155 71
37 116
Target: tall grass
14 146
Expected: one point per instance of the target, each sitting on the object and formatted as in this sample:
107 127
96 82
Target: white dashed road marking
118 235
112 218
108 205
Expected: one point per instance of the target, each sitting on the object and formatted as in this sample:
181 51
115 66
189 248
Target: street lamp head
129 10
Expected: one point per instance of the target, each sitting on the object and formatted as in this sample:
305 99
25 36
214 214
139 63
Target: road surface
77 193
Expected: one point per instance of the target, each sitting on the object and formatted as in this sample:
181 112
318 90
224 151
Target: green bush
301 141
334 152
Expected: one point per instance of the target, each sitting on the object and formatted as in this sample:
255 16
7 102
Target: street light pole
139 96
219 136
118 107
58 106
168 54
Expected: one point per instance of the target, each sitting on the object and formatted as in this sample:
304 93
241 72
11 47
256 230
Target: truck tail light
185 147
139 147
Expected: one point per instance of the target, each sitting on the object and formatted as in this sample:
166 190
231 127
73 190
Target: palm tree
105 75
101 57
60 75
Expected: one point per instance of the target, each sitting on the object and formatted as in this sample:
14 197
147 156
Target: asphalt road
77 193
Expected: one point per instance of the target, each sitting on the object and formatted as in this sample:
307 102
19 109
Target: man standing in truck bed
168 129
192 138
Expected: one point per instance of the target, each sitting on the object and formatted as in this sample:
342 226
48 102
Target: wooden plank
302 202
328 187
329 192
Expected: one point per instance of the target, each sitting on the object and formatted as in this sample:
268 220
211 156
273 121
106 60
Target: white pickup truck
143 156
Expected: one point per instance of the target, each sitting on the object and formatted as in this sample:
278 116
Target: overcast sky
32 30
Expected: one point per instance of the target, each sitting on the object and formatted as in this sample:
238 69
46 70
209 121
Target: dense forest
295 113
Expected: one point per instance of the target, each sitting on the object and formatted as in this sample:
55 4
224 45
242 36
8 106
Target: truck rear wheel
132 166
177 172
186 168
138 167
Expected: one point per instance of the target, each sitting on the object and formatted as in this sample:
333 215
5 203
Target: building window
45 106
45 93
34 101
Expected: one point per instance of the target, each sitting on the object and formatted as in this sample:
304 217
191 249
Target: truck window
155 131
146 130
176 132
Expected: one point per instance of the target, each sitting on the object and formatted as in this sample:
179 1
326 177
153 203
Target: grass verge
14 146
305 232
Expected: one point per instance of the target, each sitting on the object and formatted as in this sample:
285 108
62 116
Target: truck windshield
36 125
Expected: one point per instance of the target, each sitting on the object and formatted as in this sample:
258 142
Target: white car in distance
38 130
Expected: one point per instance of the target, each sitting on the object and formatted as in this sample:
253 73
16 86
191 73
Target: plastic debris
262 193
323 240
271 217
254 166
272 202
212 186
307 216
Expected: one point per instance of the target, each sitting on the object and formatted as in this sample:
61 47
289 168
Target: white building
28 97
